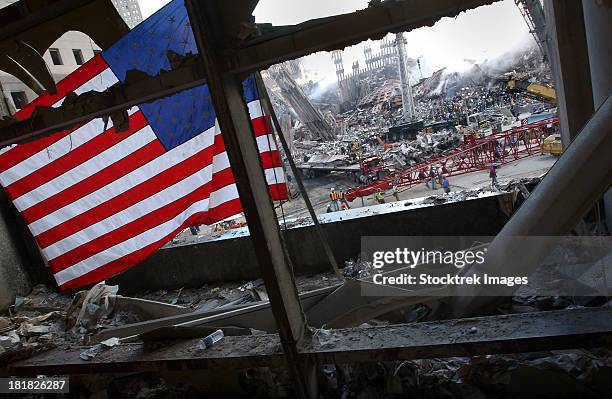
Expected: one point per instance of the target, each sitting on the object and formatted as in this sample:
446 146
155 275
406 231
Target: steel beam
238 136
572 186
94 105
296 175
570 64
341 31
515 333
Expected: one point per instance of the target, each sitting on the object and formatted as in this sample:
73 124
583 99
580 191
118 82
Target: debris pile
35 323
45 319
359 269
447 103
570 373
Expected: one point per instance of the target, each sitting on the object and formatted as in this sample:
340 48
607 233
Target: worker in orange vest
333 197
343 202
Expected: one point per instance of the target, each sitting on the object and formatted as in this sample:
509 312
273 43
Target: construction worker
343 202
493 176
431 178
333 200
395 192
445 185
380 197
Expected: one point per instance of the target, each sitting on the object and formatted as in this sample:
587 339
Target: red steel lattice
477 154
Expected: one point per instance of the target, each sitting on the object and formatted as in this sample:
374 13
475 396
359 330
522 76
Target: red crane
471 156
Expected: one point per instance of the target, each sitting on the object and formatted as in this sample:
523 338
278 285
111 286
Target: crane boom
531 89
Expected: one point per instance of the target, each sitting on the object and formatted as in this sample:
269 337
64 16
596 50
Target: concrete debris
9 340
323 338
5 324
92 352
575 373
31 328
41 299
358 269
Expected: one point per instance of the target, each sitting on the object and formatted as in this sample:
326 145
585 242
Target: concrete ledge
516 333
233 259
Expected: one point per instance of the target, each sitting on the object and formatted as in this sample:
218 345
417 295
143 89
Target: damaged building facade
62 58
281 299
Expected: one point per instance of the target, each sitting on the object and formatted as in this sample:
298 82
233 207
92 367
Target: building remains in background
63 57
307 113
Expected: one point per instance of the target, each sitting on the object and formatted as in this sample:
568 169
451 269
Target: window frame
56 51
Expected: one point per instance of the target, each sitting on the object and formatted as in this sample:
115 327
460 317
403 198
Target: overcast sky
485 32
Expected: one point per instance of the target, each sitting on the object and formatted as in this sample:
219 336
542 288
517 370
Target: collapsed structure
280 334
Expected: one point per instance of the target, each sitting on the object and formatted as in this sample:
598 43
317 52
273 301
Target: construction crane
472 156
530 89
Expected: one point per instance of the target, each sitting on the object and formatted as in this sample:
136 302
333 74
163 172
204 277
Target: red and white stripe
98 201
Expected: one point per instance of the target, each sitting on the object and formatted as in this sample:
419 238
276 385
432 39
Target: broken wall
234 259
13 264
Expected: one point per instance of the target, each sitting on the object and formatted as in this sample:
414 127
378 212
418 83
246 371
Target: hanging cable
315 220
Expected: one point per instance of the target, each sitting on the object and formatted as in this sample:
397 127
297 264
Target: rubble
358 269
575 373
93 351
31 328
481 376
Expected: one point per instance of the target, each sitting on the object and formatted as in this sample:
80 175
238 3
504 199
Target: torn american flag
99 201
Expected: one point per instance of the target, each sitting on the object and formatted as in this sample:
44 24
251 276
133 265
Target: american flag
99 201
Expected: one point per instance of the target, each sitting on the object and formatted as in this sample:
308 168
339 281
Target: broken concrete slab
258 316
147 309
